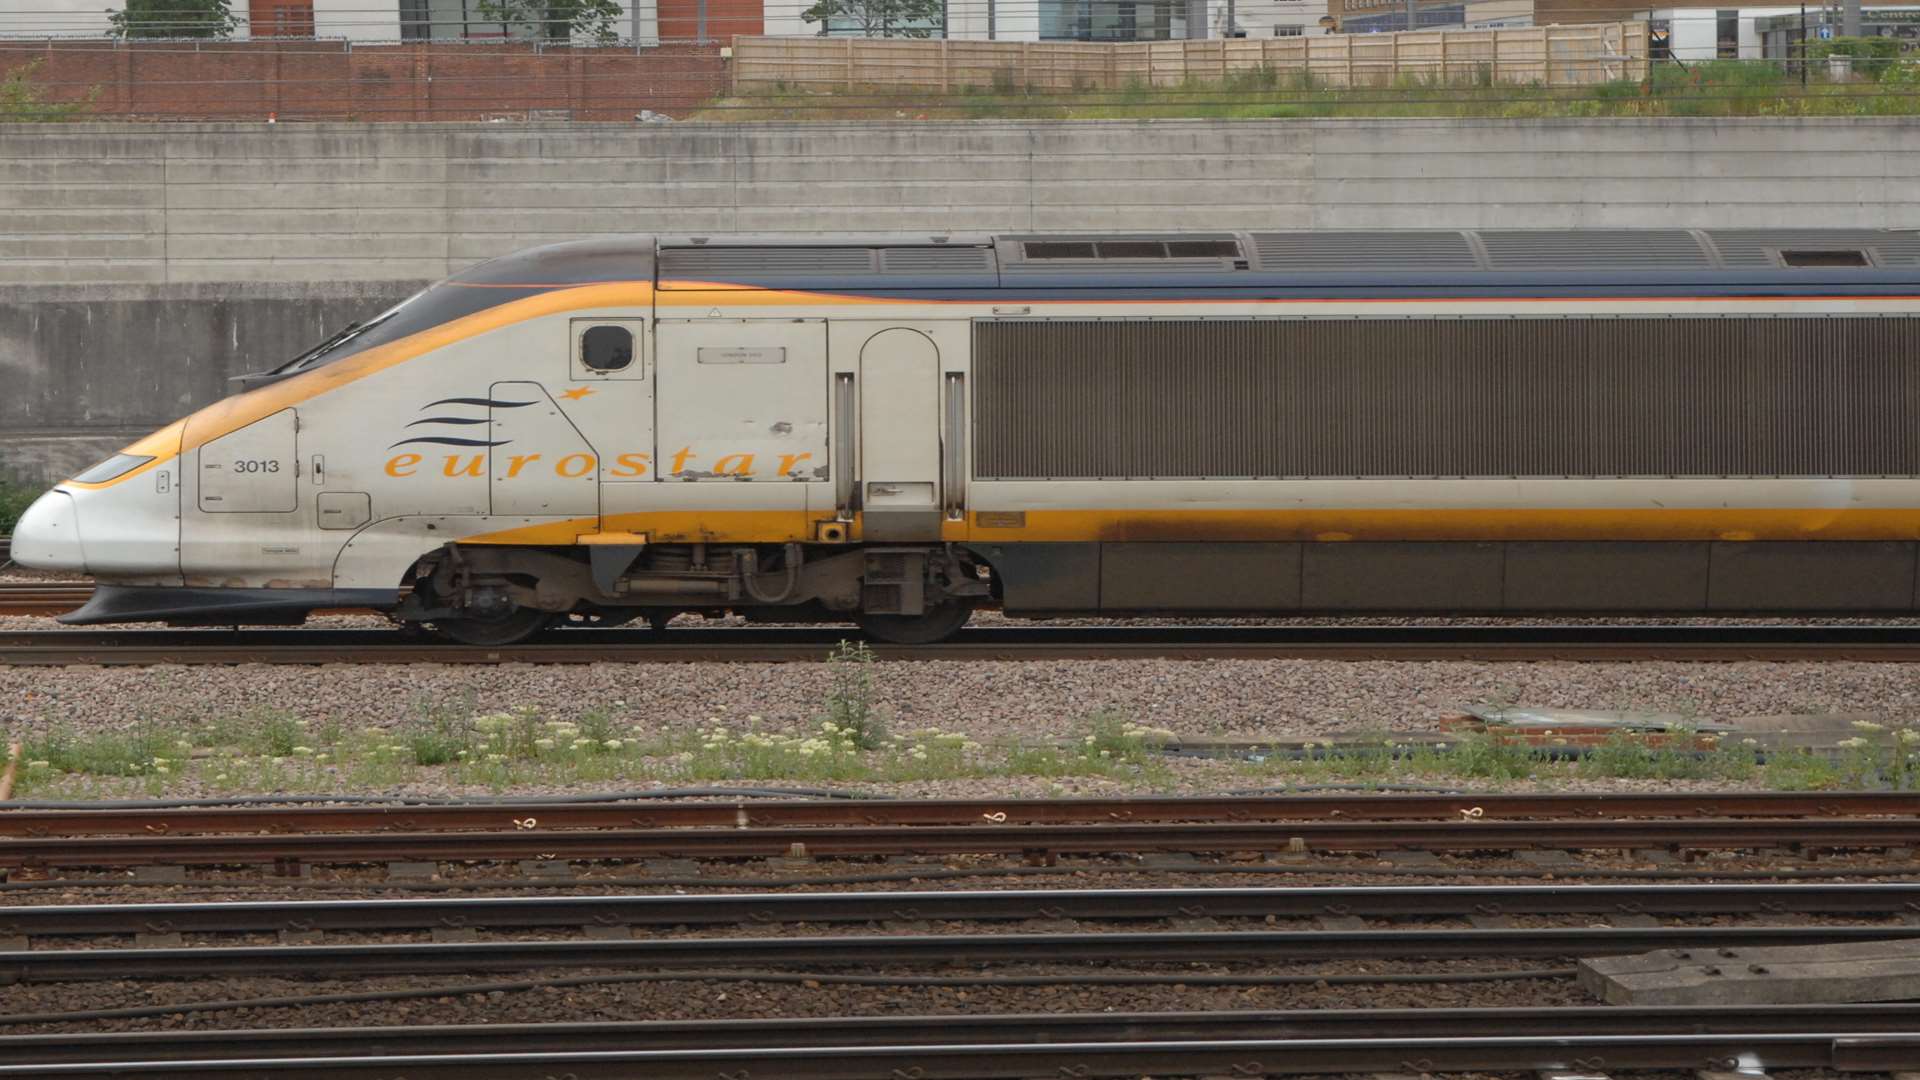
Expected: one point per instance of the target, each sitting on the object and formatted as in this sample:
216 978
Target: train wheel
938 623
516 625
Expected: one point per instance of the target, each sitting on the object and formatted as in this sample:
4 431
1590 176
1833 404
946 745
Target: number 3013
245 466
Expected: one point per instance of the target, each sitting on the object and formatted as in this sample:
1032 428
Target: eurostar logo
459 421
577 393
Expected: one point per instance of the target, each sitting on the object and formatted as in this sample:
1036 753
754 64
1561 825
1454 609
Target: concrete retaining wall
126 232
86 370
332 202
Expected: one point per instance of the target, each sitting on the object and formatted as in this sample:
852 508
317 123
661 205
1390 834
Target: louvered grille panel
1468 397
925 260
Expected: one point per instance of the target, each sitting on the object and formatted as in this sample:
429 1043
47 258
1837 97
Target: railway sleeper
496 595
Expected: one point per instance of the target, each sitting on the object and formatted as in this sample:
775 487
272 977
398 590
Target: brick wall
324 80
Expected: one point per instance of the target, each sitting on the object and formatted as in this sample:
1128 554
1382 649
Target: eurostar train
895 430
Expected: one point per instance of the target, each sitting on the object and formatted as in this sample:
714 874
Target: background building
650 21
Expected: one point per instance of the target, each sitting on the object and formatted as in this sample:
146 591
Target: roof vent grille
1131 248
1811 258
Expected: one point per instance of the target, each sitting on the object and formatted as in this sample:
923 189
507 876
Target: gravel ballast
1248 698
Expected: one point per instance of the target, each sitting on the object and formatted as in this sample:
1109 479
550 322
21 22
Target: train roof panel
922 261
575 262
1294 258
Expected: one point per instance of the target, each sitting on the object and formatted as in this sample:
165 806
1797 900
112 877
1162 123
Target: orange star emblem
577 393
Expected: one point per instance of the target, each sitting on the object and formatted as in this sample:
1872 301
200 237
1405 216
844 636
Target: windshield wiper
338 339
295 365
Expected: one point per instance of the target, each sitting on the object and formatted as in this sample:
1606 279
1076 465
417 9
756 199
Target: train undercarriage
496 595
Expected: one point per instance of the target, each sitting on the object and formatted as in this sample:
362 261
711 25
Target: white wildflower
1868 725
613 744
39 764
303 751
544 744
1852 744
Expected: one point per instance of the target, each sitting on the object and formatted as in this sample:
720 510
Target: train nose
47 536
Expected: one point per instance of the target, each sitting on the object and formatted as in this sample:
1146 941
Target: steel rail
1022 1061
170 1045
40 597
71 965
809 644
230 917
787 813
1029 840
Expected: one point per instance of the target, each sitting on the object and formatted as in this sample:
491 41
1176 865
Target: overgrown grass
269 751
452 744
1503 758
1716 88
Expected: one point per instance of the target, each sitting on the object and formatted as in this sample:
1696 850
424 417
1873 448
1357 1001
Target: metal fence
1576 55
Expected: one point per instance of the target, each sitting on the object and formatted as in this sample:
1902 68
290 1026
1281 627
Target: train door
911 435
740 441
590 430
245 516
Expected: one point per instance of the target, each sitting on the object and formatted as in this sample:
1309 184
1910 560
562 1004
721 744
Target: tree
173 19
561 20
880 18
23 100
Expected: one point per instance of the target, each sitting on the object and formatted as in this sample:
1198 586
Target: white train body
898 429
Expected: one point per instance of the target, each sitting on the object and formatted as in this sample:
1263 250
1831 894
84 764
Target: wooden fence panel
1574 55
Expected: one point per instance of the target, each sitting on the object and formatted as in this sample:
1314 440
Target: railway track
787 813
286 852
47 598
796 644
1472 1038
1035 829
1852 900
867 952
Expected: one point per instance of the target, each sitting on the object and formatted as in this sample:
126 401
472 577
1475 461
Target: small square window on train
606 348
1824 258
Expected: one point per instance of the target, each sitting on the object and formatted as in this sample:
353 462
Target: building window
280 18
416 22
1727 36
1288 29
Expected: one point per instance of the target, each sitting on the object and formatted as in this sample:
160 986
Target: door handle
953 453
843 445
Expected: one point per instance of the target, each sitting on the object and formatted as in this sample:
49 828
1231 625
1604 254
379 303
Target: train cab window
1824 258
606 348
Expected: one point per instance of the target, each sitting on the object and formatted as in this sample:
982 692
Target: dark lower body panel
1460 577
219 607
